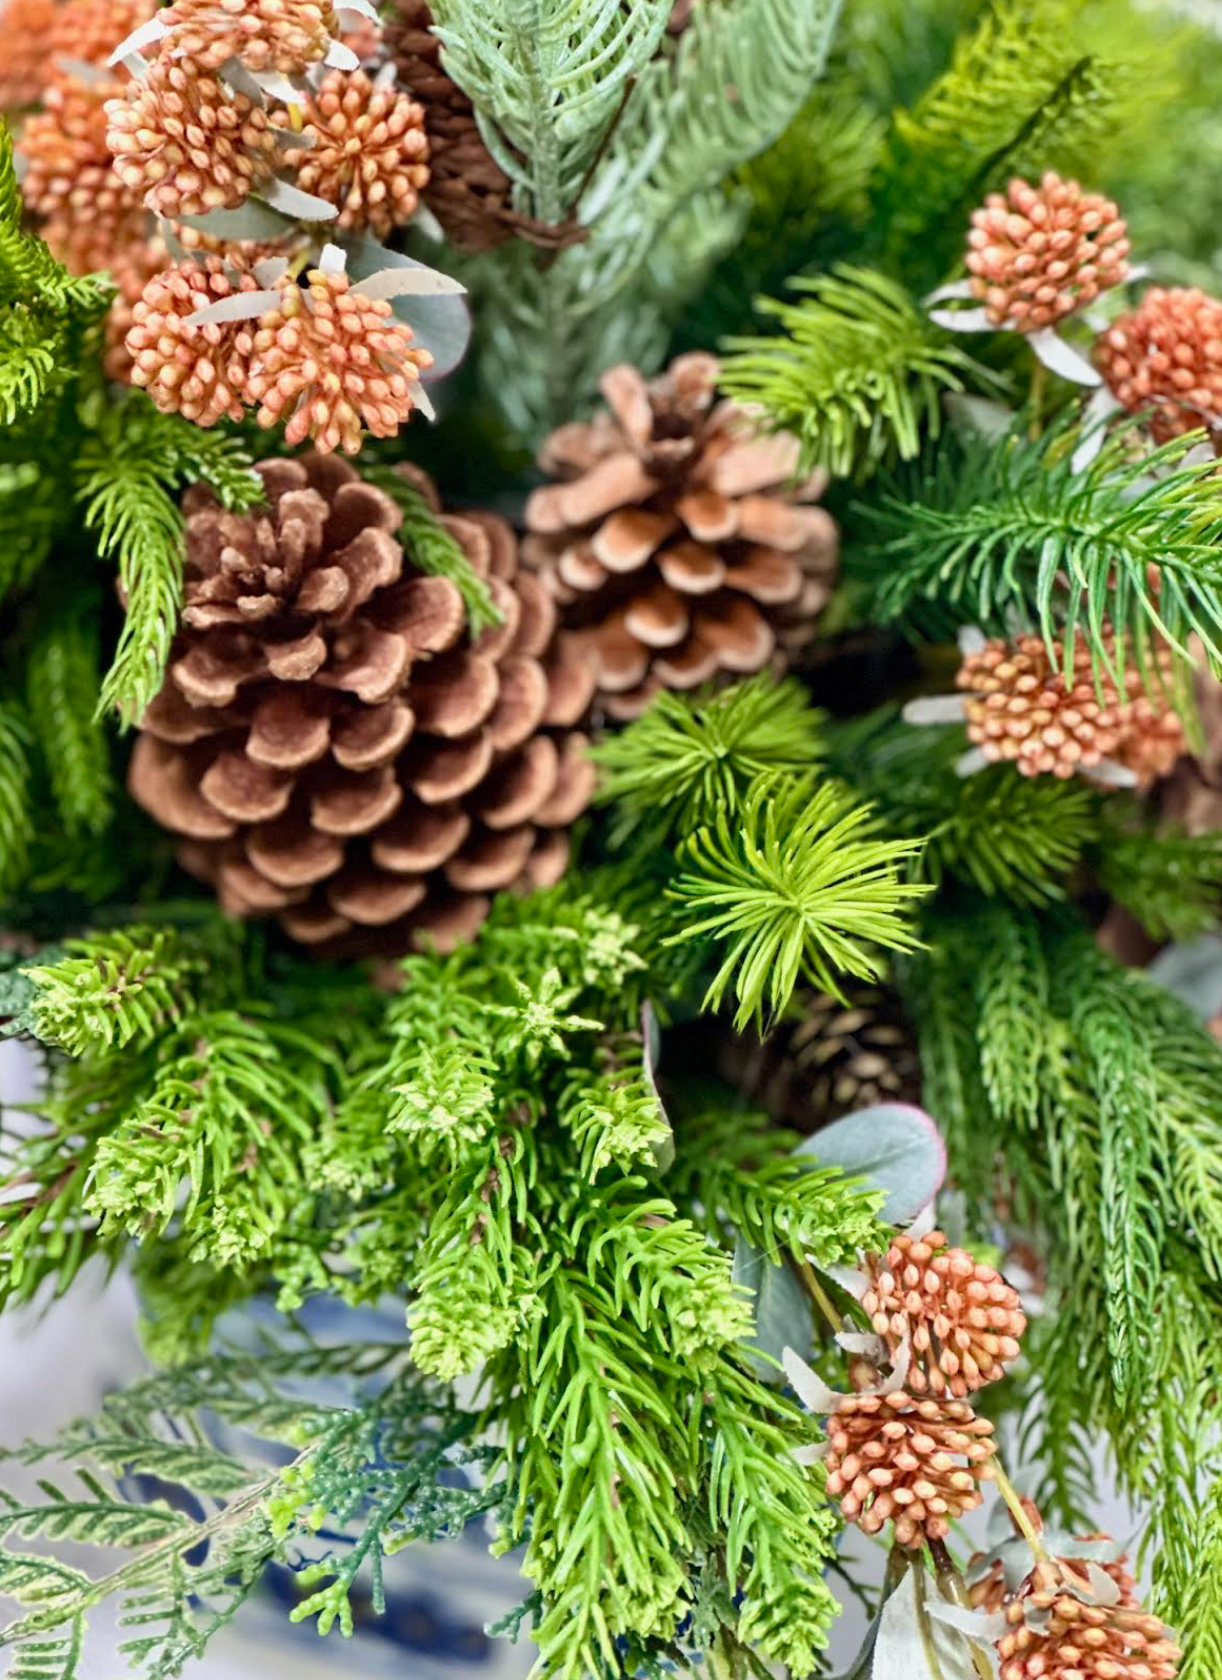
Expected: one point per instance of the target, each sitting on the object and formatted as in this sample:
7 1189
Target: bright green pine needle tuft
858 373
692 755
794 885
1005 528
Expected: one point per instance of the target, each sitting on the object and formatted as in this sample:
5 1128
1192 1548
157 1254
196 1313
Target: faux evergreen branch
16 822
794 885
1096 1094
124 474
62 680
547 80
431 547
691 756
1020 95
1170 882
114 988
1008 835
857 371
1004 528
689 136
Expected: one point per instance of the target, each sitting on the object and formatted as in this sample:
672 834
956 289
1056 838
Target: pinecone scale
331 742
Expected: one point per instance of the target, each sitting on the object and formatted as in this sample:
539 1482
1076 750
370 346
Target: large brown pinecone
468 191
828 1058
676 539
334 745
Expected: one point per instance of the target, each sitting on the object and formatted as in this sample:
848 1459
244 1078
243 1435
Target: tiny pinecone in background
1024 712
185 145
827 1057
25 27
893 1457
336 746
369 155
467 191
1166 356
1063 1628
283 35
89 217
962 1319
90 30
329 362
198 371
676 541
1036 254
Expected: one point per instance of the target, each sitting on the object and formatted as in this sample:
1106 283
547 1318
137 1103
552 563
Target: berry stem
1022 1521
819 1295
952 1586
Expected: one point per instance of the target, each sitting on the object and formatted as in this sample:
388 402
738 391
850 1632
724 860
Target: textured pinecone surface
675 540
333 744
831 1058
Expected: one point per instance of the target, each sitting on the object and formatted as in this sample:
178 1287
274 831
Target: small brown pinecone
962 1319
468 191
332 742
893 1457
828 1058
676 540
1062 1627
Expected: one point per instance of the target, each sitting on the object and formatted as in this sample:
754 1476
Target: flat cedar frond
794 885
692 755
857 373
994 530
16 821
62 681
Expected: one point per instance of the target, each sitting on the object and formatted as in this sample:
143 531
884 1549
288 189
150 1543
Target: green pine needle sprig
857 371
795 884
690 756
